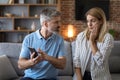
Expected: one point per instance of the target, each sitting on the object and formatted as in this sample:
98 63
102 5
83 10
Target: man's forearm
58 63
24 63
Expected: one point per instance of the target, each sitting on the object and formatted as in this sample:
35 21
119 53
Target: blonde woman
93 47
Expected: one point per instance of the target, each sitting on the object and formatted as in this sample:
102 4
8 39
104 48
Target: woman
93 47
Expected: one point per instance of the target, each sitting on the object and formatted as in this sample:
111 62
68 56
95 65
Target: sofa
9 54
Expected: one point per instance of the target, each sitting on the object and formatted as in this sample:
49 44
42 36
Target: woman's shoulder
108 36
81 34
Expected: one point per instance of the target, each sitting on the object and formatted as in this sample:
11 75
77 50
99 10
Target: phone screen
33 50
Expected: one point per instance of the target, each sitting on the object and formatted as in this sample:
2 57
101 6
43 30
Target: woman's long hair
100 15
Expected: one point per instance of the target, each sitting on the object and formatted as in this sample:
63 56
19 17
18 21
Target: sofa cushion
19 78
114 64
73 48
114 59
14 63
68 71
6 69
65 78
116 49
115 76
12 50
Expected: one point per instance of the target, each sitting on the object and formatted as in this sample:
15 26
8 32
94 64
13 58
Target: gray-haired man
50 48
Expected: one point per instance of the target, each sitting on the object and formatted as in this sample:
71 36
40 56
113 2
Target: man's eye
57 22
93 21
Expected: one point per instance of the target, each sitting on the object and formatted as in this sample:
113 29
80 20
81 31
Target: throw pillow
6 69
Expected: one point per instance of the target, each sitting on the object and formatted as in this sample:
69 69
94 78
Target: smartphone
33 50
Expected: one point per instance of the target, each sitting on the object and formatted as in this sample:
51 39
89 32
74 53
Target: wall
68 17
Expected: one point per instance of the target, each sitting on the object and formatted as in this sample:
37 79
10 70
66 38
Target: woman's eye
93 21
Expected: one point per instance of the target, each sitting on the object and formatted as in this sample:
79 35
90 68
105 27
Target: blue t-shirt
53 46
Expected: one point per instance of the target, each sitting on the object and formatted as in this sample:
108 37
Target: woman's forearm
78 73
94 47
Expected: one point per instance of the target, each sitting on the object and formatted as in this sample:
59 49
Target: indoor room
22 22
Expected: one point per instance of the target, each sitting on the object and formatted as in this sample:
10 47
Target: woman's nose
89 24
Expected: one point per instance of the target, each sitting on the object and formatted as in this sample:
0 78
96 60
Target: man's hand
35 60
43 55
59 62
24 63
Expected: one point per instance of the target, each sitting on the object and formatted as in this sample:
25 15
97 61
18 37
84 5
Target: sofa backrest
114 59
12 50
68 71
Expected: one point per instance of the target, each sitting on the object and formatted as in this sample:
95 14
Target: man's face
53 25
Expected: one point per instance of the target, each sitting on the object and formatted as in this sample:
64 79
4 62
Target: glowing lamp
70 31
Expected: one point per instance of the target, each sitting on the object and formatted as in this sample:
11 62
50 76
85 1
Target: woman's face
93 22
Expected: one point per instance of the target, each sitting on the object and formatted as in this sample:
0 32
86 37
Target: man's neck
45 33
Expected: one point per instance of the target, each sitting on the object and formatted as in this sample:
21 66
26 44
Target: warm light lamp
70 31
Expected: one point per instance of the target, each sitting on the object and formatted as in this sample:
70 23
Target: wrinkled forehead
58 18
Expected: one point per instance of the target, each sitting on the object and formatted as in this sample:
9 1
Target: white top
99 62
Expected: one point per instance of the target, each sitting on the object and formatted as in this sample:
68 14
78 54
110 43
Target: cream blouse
99 62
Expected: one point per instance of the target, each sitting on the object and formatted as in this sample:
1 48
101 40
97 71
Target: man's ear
45 23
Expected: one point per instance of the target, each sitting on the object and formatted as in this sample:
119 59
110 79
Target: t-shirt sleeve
61 49
25 52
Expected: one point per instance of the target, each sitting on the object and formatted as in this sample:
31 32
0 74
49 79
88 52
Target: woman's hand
94 34
93 37
78 73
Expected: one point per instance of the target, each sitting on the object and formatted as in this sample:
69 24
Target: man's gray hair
48 14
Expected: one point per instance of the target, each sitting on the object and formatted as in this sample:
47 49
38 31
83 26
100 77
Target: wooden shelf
21 15
17 30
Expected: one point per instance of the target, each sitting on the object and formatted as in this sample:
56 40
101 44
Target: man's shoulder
58 36
30 36
58 39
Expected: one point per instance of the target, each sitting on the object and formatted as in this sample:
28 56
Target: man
49 46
